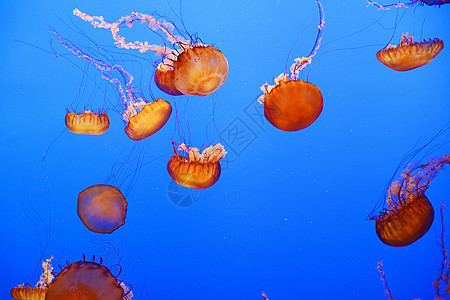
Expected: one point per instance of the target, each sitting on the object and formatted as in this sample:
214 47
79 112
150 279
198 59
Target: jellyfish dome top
102 208
196 170
87 122
292 104
86 280
190 68
408 55
143 118
26 292
409 213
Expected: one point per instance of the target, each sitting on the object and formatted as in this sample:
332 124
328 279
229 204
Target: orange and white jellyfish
196 170
408 55
409 214
87 280
26 292
190 68
293 104
87 122
102 208
143 118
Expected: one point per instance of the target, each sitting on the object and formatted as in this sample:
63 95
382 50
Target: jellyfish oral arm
389 6
121 42
301 63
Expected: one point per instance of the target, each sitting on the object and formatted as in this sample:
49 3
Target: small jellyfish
85 280
291 104
408 55
409 214
88 122
191 68
26 292
197 170
143 118
102 208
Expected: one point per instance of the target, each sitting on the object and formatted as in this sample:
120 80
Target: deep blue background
288 214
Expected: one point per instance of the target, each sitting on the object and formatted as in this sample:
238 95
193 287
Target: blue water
287 216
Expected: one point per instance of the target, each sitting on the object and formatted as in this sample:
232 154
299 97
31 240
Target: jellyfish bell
196 170
28 293
85 280
149 120
191 68
164 80
102 208
408 55
405 223
292 105
200 70
87 122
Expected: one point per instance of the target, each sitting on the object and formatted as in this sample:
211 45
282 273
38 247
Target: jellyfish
88 122
443 279
102 208
408 55
86 280
291 104
143 118
190 68
409 214
26 292
408 4
198 171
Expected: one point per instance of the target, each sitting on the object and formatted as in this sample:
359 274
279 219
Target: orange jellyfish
191 68
409 214
86 280
143 118
149 120
102 208
291 104
26 292
408 55
198 171
87 122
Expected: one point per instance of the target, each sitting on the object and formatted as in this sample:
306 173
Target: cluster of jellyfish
292 104
193 68
404 213
187 68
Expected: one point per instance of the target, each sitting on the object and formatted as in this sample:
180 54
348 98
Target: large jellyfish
409 214
196 170
408 55
143 118
190 68
291 104
86 280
